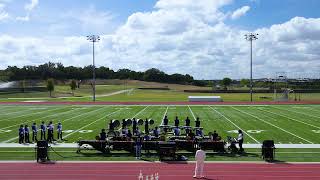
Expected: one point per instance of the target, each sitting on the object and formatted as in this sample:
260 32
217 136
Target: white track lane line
279 114
91 123
235 125
272 124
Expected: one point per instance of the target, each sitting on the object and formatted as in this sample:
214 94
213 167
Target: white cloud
3 15
240 12
23 18
180 37
31 5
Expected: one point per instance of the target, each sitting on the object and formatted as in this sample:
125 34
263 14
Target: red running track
159 103
124 171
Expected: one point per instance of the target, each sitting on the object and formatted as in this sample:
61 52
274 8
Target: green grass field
286 124
297 124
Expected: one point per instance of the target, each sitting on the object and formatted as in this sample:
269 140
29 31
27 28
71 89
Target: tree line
58 71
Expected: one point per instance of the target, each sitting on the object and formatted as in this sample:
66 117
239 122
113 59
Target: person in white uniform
200 158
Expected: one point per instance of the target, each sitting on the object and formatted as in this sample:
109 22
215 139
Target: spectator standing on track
26 134
59 131
240 140
34 132
200 158
21 134
43 129
50 132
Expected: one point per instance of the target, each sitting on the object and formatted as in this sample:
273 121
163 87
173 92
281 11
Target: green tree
244 82
226 82
73 86
50 86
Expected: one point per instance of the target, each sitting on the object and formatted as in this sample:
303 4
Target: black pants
60 135
240 145
50 135
21 138
43 135
26 138
34 136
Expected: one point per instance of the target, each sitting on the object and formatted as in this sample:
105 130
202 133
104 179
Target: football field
285 124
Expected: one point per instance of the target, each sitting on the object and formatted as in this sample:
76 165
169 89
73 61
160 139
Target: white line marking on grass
194 117
139 112
12 139
52 115
18 112
165 113
31 114
272 125
91 123
235 125
280 114
297 112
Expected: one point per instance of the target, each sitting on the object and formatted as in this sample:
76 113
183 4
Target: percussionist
198 122
187 121
146 126
134 125
176 122
43 129
34 132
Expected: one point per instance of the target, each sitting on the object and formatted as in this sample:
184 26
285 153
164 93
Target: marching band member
156 132
176 122
34 132
165 120
199 132
26 134
240 140
43 128
103 135
21 134
59 131
50 132
187 121
176 131
134 125
146 126
198 122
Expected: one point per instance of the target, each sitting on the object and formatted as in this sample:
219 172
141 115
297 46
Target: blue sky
205 35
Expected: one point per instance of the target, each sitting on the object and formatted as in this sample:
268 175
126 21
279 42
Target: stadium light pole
251 37
93 39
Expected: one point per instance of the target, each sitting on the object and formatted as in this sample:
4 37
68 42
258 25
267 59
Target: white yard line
31 114
235 125
91 123
279 114
296 112
165 113
52 115
12 139
194 117
272 124
139 112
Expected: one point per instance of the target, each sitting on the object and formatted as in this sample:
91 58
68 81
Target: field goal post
281 91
